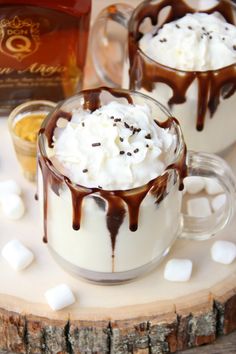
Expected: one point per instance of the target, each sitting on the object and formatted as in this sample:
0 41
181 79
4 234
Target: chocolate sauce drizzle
212 84
115 203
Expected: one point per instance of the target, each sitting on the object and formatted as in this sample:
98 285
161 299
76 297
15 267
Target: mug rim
174 122
131 30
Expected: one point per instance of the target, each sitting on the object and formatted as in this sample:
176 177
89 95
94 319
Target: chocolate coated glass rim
122 93
131 29
146 73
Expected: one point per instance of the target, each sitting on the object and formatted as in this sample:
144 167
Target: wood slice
150 315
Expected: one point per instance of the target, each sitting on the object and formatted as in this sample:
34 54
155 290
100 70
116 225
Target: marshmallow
223 252
9 187
59 297
17 255
212 186
198 207
12 206
194 184
218 202
178 270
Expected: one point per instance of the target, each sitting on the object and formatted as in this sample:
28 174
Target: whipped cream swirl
118 146
196 41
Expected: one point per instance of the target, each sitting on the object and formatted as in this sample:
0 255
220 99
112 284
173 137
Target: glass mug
203 101
83 226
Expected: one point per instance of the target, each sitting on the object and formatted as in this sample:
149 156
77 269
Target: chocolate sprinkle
126 125
190 28
117 120
83 125
136 150
121 139
234 47
148 136
85 170
177 26
96 144
122 152
129 154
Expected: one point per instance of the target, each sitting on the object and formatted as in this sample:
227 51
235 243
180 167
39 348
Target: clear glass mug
203 101
111 236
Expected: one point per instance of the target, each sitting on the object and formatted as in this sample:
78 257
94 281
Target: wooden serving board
148 315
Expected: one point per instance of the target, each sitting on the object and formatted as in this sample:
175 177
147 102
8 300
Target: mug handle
211 166
107 51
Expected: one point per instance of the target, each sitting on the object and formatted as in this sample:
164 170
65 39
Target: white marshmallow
194 184
17 255
178 270
212 186
59 297
12 206
198 207
9 187
218 202
223 252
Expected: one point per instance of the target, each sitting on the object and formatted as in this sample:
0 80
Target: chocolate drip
92 98
133 202
49 179
114 203
114 218
145 74
77 194
52 124
179 165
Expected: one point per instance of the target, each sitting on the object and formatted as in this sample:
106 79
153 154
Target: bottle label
19 38
42 54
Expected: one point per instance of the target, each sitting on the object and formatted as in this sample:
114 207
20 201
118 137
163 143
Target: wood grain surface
223 345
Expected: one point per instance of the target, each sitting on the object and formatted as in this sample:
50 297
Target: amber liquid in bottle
43 47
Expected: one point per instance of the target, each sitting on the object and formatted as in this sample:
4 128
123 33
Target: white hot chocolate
117 147
197 42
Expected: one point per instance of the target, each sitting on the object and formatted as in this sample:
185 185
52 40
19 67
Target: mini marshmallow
59 297
212 186
178 270
218 202
9 187
194 184
17 255
223 252
12 206
198 207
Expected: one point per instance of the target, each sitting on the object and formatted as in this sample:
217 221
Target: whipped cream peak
195 42
118 146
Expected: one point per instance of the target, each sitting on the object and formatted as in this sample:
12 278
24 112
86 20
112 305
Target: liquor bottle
43 46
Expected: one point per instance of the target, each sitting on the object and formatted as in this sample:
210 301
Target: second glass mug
203 101
151 214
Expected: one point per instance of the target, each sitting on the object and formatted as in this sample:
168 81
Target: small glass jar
24 123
